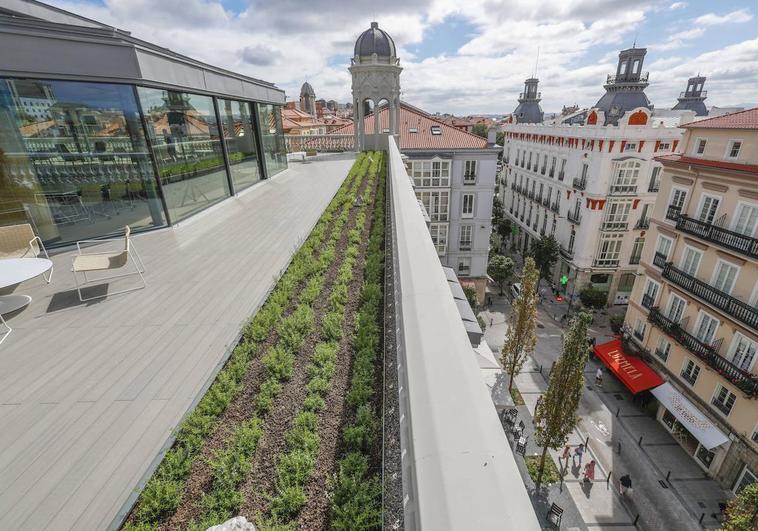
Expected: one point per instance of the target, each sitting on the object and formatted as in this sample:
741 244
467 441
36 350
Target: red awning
634 372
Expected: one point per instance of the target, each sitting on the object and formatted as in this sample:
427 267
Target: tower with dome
375 71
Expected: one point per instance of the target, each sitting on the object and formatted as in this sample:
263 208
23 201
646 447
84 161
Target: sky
463 57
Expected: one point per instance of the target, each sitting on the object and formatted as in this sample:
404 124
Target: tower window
636 66
622 69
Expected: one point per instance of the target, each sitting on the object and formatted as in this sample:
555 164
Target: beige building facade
694 305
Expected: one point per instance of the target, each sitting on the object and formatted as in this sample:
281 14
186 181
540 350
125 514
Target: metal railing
647 301
606 262
624 78
659 260
580 183
322 143
672 212
728 239
623 189
574 216
723 301
614 226
440 430
555 207
654 185
642 223
546 201
565 253
701 94
708 353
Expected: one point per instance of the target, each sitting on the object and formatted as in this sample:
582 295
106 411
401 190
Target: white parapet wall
459 471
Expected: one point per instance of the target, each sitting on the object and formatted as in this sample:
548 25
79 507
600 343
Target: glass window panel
272 138
185 138
240 139
74 162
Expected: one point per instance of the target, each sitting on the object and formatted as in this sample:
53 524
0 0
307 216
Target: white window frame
670 305
719 263
442 212
735 218
466 270
439 230
694 373
626 174
745 470
665 351
670 247
730 147
664 146
656 293
470 171
733 350
716 393
611 255
701 315
464 213
701 203
683 257
466 230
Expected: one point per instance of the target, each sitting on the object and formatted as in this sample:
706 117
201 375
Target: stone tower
529 110
625 90
693 99
308 99
375 70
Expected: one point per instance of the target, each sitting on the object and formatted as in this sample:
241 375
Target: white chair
107 261
19 241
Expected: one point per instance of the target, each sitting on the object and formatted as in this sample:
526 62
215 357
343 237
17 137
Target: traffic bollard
639 443
619 448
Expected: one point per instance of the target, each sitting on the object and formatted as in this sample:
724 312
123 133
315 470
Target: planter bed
264 440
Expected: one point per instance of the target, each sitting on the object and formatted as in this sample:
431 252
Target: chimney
491 135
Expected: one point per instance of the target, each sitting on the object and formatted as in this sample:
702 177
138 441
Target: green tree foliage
742 511
504 228
500 138
497 210
480 130
470 292
555 415
545 254
521 338
593 297
500 269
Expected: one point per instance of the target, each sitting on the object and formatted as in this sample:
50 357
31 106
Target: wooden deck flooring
90 393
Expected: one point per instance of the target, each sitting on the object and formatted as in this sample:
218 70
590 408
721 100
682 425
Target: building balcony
614 226
530 195
546 202
708 353
561 175
654 186
647 301
622 189
566 253
623 79
574 216
701 94
538 198
659 260
635 259
741 311
734 241
642 224
555 207
606 263
551 173
580 183
333 143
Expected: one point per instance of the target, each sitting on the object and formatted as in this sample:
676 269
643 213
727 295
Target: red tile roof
695 161
747 119
414 118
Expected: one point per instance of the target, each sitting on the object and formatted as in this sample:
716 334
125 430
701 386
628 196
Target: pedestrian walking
589 471
490 321
566 453
578 453
625 484
599 376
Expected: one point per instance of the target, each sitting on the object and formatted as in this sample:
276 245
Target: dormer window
413 130
636 66
436 130
622 70
734 149
630 146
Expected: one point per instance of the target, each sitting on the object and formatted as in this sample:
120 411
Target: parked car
515 289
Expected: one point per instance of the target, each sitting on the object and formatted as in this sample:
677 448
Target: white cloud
678 5
735 17
289 41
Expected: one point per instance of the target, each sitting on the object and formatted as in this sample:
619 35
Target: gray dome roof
375 41
306 89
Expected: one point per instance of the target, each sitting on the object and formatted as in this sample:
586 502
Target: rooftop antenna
536 62
634 44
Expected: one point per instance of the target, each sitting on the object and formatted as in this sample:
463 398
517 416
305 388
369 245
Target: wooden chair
555 515
107 261
19 241
521 446
518 430
510 416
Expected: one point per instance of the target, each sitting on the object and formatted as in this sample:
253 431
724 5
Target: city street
622 438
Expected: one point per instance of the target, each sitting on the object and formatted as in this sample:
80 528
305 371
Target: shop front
694 432
632 371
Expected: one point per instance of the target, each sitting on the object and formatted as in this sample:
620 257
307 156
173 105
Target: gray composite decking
90 393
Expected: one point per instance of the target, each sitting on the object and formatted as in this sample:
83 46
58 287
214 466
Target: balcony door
706 328
708 207
724 277
746 219
676 308
691 261
678 196
743 352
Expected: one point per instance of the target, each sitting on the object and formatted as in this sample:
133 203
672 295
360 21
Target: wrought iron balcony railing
606 262
613 79
672 212
647 301
566 253
728 239
555 207
659 260
642 223
614 226
723 301
574 216
708 353
654 186
580 184
635 259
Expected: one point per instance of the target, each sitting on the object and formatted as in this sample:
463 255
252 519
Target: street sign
514 229
564 280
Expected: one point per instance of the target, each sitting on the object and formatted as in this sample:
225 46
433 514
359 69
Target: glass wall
73 160
187 148
272 138
240 140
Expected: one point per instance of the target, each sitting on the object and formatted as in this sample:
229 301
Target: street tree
480 130
504 228
742 511
545 254
555 415
500 269
521 336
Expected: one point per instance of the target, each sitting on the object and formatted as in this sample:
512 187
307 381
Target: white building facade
593 187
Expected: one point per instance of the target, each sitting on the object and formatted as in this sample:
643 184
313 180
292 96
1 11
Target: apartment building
694 307
590 178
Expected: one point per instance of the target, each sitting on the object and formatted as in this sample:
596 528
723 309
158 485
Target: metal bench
555 514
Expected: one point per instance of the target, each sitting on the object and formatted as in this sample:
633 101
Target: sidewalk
611 420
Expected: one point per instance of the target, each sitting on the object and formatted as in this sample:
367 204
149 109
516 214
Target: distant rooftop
747 119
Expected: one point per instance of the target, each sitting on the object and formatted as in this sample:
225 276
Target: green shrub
616 323
266 395
318 386
312 290
159 498
331 326
314 403
139 527
304 440
288 502
294 468
593 297
277 363
294 328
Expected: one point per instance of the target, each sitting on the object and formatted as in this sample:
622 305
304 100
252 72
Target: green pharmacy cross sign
564 280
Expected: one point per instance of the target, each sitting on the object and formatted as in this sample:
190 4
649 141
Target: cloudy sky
460 56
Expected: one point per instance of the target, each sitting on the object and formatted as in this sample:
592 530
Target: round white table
14 271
